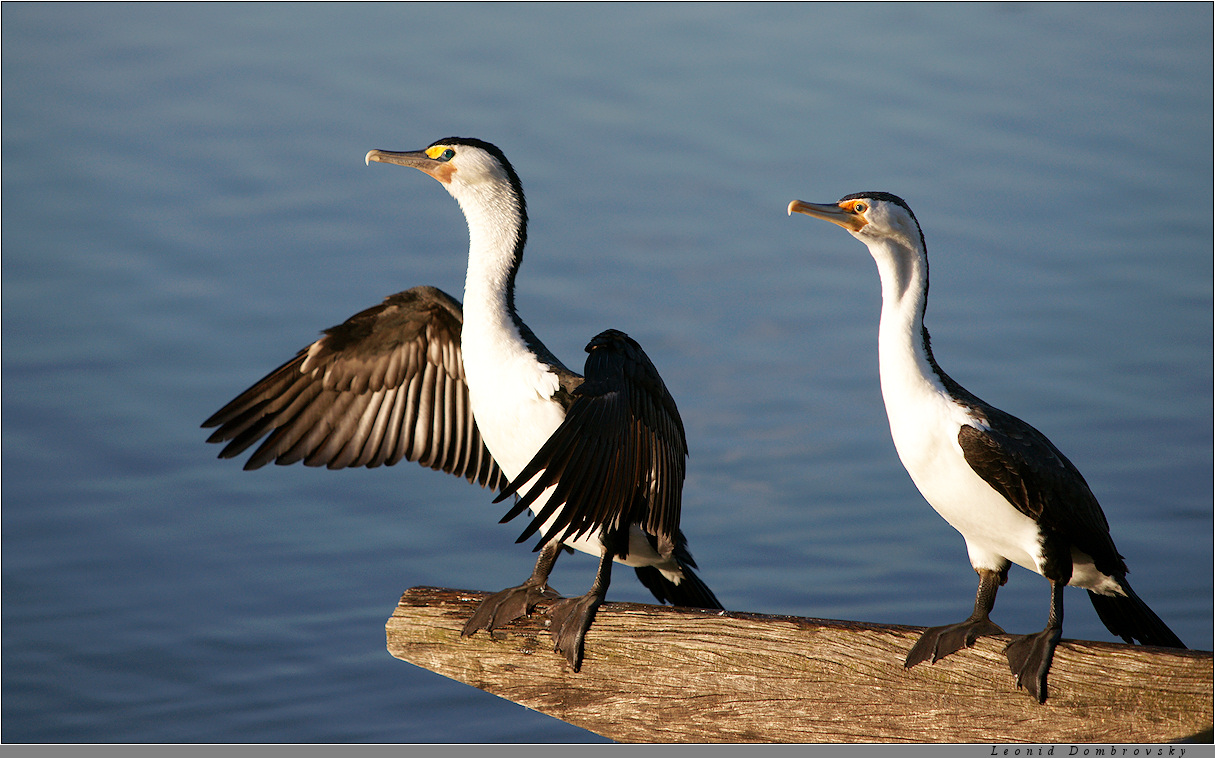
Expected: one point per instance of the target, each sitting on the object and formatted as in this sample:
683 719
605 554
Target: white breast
511 394
924 424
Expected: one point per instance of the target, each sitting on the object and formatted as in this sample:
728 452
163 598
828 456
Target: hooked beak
441 170
832 212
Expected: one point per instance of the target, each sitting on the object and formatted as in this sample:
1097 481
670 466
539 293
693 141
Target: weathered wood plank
661 674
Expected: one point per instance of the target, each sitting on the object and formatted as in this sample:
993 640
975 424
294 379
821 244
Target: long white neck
496 229
509 386
903 353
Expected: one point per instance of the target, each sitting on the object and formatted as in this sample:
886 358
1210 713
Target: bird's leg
572 617
1030 656
939 641
503 607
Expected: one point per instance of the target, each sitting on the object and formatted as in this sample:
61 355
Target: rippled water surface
185 205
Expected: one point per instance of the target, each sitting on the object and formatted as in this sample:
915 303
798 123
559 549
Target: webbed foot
940 641
570 620
501 608
1030 657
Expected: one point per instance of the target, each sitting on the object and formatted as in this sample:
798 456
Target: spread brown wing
386 385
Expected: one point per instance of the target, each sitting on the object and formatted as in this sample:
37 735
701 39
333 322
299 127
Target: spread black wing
618 458
386 385
1024 466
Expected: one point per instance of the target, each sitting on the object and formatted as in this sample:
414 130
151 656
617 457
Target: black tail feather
1131 619
690 592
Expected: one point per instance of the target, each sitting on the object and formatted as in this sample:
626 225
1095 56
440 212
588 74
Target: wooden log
661 674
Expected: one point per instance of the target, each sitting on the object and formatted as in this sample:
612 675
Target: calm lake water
185 205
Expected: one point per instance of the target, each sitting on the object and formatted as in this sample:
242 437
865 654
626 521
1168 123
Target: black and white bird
1000 482
599 459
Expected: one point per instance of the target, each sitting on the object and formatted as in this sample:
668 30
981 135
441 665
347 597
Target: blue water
185 205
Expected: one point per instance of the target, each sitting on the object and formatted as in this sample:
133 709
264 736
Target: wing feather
1024 466
385 385
618 458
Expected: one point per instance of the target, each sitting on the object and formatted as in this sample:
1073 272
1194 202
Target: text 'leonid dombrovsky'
1094 752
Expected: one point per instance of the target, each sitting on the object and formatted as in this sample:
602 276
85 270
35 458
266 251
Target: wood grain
662 674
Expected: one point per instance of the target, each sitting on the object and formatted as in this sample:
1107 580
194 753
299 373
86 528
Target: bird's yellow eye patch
857 206
440 153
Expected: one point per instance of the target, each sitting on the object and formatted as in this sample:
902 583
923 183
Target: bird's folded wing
618 458
386 385
1023 465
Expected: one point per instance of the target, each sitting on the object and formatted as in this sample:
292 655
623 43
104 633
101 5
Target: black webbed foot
939 641
1030 657
570 620
501 608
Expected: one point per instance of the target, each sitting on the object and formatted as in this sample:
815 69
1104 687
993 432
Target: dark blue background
185 205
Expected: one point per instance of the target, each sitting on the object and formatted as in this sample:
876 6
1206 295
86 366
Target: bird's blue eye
446 155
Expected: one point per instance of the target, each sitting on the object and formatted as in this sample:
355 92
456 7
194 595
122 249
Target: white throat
902 361
494 225
509 388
